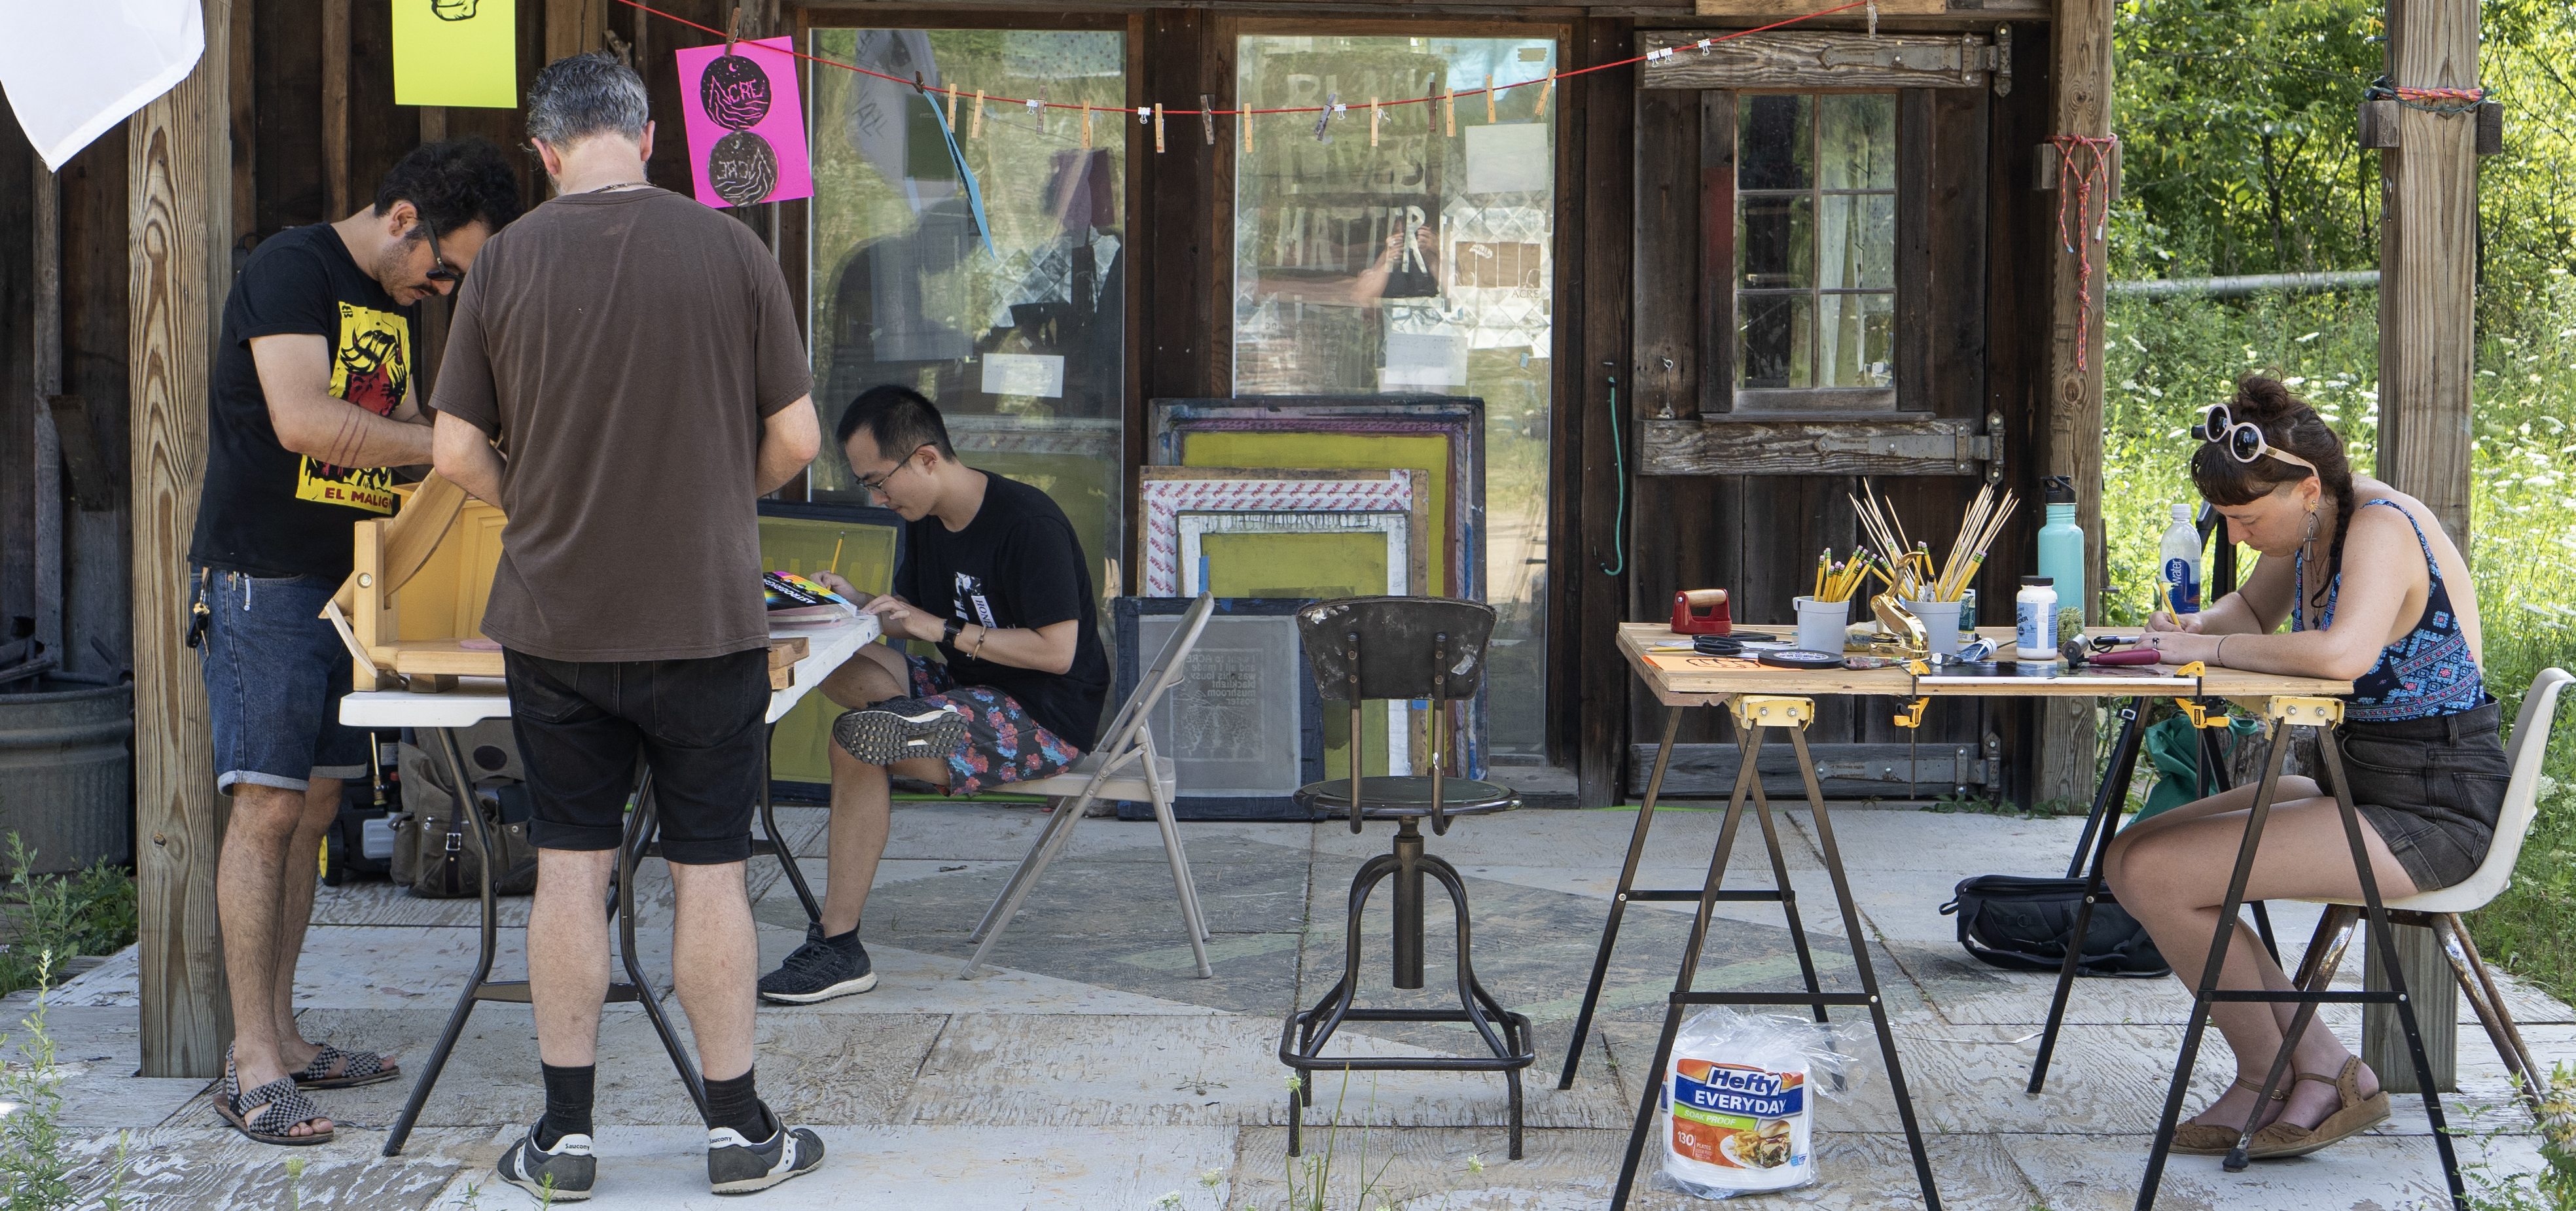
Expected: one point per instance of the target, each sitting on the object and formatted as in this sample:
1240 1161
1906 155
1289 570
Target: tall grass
2168 357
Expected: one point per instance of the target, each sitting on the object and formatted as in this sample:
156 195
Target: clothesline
1143 111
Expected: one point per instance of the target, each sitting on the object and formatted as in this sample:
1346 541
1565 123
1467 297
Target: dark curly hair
454 184
2289 424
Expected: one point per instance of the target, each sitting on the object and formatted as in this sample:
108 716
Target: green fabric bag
2172 747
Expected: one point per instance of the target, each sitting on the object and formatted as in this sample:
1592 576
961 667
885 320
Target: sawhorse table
438 717
1764 699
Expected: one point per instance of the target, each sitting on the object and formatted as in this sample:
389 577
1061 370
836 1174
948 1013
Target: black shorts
696 723
2431 788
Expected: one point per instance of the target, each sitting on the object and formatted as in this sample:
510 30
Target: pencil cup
1940 624
1821 624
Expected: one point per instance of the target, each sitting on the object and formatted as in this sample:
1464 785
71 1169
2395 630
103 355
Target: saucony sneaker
899 729
738 1166
563 1173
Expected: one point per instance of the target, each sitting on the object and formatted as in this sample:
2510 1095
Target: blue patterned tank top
2428 673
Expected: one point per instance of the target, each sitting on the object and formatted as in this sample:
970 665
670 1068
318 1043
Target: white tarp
73 70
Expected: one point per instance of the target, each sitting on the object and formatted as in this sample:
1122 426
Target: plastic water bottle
2061 542
2180 562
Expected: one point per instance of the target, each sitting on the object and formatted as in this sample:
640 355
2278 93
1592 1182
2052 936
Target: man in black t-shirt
310 406
993 574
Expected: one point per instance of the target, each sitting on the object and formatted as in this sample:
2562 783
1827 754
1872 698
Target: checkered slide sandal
356 1068
282 1108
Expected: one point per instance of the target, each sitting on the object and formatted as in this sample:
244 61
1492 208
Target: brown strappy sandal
2209 1139
2357 1114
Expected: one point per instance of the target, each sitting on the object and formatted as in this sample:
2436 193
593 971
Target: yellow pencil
836 552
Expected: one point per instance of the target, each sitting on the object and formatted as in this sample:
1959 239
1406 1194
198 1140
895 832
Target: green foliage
89 912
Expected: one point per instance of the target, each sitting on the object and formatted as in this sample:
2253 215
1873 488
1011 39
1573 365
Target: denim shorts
696 724
275 672
2431 788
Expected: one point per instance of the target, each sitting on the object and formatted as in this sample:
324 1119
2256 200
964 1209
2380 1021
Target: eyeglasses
876 486
2243 440
438 267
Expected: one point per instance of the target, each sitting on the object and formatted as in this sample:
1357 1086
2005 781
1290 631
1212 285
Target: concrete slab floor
1091 1068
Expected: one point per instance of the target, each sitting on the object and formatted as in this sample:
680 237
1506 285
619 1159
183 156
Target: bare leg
295 913
714 960
250 882
2239 800
862 799
568 953
2173 878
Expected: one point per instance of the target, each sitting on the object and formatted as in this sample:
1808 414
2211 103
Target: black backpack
2023 923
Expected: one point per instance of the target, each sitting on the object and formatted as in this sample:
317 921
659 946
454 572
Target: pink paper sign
746 123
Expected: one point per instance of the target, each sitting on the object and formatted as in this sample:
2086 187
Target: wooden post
2436 993
2081 59
45 383
335 109
180 166
574 26
2428 263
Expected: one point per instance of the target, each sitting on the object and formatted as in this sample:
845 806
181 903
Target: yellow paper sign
456 52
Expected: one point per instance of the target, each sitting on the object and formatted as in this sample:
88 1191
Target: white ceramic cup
1821 624
1940 624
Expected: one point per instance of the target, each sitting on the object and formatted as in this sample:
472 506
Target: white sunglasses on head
2243 440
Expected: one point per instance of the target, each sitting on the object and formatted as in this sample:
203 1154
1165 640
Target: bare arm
789 439
468 459
295 377
1048 649
2382 572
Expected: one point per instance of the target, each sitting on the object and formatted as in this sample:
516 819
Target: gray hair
578 96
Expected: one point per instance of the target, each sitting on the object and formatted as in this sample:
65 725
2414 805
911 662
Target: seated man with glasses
993 574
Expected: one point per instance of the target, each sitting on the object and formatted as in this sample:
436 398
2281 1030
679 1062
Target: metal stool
1416 648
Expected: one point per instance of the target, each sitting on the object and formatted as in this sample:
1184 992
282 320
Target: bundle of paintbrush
1913 576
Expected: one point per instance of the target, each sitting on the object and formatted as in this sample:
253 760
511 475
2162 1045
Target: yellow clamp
1912 715
1774 710
2203 714
2306 712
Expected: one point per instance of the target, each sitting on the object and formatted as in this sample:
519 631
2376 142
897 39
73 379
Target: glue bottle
2035 619
2179 562
2061 541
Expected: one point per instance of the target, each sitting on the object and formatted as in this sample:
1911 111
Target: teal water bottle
2061 542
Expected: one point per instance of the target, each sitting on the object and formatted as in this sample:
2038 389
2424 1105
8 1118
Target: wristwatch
950 630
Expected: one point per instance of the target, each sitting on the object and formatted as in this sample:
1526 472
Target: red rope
1703 44
2078 189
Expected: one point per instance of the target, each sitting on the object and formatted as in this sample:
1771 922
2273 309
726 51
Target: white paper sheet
1509 158
73 70
1039 374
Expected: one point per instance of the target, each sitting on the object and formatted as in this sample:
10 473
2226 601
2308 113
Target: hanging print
746 123
456 52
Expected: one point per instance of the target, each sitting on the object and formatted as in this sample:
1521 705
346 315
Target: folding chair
1124 767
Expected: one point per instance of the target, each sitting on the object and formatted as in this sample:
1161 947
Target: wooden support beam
2428 264
335 107
2072 403
46 361
179 229
574 26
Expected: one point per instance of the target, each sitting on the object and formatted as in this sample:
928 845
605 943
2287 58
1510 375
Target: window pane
1775 243
1774 144
1773 335
1413 262
1858 131
1011 321
1855 339
1856 235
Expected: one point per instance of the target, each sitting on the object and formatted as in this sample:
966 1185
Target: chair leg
2478 985
1046 836
2333 935
1180 860
1050 842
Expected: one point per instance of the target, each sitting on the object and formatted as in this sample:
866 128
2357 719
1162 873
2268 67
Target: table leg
778 841
475 985
1619 902
1780 877
2098 830
2212 779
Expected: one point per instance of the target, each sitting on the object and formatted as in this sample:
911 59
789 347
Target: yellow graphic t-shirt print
370 367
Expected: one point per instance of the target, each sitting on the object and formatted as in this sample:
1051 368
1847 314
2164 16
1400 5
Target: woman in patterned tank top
2374 593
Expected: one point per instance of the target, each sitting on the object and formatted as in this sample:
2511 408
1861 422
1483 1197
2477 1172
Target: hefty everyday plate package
1740 1099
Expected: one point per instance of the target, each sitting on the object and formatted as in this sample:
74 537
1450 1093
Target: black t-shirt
267 510
1017 564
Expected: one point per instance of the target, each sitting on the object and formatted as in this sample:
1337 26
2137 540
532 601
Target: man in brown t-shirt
635 358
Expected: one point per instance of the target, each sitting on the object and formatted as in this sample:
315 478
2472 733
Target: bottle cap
2182 512
2058 490
2042 581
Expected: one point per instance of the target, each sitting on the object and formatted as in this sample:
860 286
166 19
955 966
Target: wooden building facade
1700 413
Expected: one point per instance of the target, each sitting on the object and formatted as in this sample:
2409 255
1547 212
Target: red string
1310 109
2078 189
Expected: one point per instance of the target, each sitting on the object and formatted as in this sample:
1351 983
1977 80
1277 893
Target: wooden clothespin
1086 126
978 131
1158 128
952 108
1246 114
1376 111
1489 98
1449 108
733 29
1543 91
1207 118
619 47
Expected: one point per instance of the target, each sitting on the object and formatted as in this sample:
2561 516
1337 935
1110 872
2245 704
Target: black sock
568 1097
844 940
731 1103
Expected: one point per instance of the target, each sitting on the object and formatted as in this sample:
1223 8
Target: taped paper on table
746 123
73 70
1510 158
1038 374
457 52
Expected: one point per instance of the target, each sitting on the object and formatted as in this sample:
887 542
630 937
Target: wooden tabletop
1716 683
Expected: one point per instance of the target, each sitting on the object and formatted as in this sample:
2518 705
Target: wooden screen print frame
1164 492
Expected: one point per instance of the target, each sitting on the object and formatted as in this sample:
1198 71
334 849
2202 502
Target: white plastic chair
1115 770
2440 909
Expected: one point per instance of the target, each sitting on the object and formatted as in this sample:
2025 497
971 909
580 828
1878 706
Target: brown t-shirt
623 348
